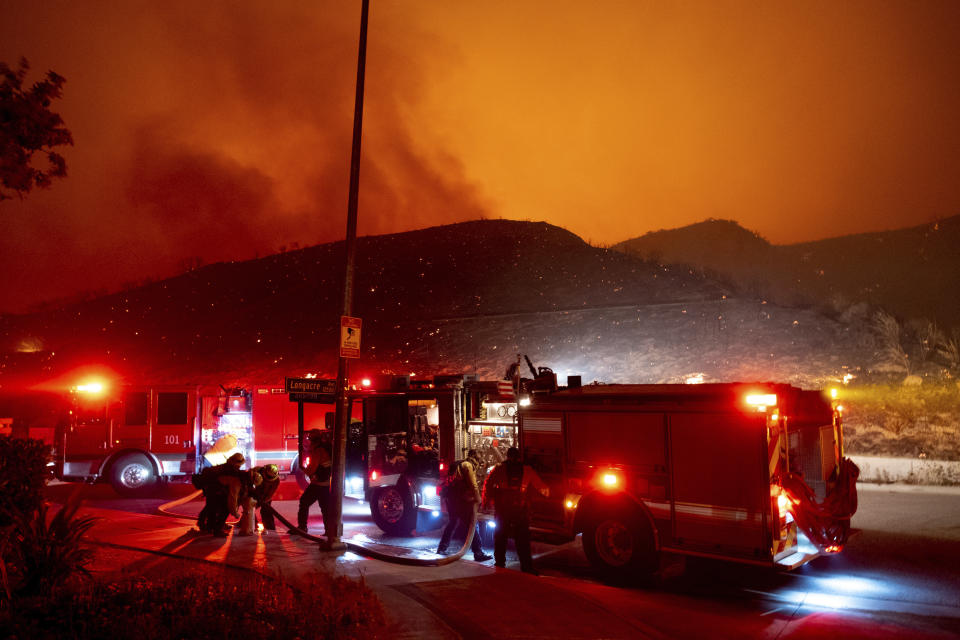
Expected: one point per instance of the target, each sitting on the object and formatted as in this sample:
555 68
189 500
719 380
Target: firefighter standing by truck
507 487
461 496
318 469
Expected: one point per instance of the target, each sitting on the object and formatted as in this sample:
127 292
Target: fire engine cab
725 471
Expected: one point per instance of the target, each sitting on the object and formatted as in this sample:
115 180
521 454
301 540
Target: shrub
890 356
202 603
23 467
41 553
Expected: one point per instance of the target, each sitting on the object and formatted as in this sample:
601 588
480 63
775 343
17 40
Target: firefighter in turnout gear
221 486
318 469
263 494
508 487
248 519
461 496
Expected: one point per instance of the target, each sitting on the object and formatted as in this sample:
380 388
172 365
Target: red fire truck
416 427
718 470
137 436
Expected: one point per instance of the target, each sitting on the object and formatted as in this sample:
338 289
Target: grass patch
921 421
200 603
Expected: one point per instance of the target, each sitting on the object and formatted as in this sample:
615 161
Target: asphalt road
902 568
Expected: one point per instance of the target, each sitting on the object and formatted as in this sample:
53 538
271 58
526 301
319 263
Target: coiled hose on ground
440 561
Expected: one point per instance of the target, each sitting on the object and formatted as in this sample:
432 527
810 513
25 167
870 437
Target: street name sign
311 389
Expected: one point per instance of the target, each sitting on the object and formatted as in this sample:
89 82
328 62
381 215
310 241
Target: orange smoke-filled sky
221 130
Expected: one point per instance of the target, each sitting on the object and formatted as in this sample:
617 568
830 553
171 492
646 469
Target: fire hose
826 525
352 546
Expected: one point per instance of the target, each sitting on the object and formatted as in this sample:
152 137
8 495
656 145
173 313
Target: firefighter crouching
262 496
508 487
221 486
318 469
248 518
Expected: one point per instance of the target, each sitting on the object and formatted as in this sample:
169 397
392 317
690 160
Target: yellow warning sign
350 337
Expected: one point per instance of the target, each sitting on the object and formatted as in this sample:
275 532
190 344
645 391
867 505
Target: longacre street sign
310 389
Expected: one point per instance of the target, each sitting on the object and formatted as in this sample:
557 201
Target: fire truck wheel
620 545
393 511
132 475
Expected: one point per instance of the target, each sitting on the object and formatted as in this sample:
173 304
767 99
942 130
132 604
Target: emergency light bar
762 400
90 387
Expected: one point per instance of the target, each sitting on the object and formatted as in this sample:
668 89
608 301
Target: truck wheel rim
390 505
133 476
614 543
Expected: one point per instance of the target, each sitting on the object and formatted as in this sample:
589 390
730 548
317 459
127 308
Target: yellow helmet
270 472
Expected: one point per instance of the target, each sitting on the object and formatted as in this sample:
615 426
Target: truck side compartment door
720 480
543 451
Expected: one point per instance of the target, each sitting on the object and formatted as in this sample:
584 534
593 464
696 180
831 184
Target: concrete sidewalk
464 599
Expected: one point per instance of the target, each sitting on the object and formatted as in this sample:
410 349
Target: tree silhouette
27 126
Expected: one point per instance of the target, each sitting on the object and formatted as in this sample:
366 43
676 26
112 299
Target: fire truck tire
393 511
132 475
620 545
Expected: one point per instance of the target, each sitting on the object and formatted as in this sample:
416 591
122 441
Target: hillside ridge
909 272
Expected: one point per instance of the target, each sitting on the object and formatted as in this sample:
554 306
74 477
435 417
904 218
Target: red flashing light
608 479
834 548
365 382
442 466
374 475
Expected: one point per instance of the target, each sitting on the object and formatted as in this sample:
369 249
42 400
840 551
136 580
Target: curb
911 471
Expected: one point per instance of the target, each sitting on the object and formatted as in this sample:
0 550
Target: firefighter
263 494
318 469
461 498
248 518
508 486
221 487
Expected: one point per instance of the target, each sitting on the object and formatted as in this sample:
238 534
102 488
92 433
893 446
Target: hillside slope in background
910 272
261 314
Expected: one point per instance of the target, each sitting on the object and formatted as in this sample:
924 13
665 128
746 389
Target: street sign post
335 526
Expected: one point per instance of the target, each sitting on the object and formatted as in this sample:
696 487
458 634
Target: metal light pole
334 528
